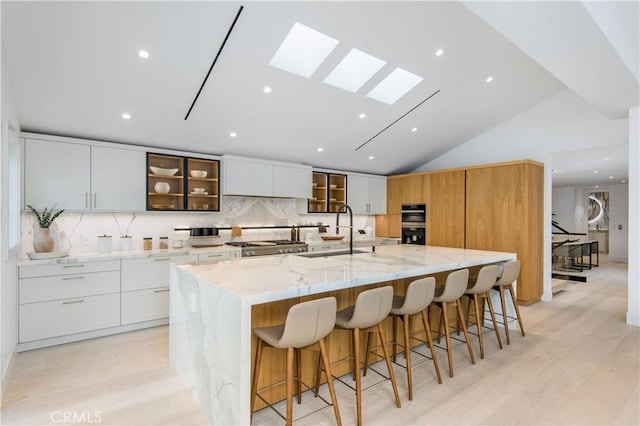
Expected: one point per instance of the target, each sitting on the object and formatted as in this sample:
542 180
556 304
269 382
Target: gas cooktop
261 248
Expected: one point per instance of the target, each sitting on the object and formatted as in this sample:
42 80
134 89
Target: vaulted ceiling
74 70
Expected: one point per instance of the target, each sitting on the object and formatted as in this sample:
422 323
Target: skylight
354 70
303 50
395 86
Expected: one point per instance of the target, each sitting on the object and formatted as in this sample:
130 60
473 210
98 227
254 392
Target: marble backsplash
81 230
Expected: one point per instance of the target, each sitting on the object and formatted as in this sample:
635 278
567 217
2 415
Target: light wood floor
578 364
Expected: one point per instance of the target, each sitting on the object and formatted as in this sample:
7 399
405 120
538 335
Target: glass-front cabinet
329 191
182 183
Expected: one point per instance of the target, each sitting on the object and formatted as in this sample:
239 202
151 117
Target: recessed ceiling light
415 129
233 134
126 116
354 70
597 187
143 54
623 181
606 158
371 157
489 79
303 50
596 171
363 115
394 86
320 149
610 177
439 52
266 89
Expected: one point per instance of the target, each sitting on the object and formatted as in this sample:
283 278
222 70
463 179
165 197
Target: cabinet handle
77 265
161 259
161 291
73 278
95 200
73 301
214 255
86 200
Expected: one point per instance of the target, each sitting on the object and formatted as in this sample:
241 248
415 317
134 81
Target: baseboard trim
633 319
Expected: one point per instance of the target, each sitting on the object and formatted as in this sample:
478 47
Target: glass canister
147 243
164 243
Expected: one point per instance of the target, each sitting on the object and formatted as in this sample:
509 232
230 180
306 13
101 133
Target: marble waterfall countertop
211 309
270 278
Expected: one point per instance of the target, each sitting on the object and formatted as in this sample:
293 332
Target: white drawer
138 274
214 257
68 268
58 287
144 305
58 318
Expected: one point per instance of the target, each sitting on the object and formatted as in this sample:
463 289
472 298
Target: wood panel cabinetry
505 213
329 191
446 209
182 183
492 207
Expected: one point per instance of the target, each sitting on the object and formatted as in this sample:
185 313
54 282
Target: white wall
633 310
563 207
8 262
564 122
619 215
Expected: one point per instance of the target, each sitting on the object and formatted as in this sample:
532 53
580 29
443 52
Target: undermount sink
331 253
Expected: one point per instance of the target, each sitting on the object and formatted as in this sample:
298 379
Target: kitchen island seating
371 308
416 301
478 290
510 273
454 287
306 326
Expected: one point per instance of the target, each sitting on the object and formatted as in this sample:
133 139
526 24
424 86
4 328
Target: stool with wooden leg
418 298
479 290
510 273
371 308
454 287
306 326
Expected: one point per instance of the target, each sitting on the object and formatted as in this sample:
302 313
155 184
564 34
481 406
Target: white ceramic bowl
198 174
163 172
198 190
333 186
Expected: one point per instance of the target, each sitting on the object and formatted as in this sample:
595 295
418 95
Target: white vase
125 243
162 187
43 241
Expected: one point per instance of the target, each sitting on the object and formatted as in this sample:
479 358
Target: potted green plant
42 241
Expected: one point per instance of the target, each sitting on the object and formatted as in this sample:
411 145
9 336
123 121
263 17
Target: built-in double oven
414 224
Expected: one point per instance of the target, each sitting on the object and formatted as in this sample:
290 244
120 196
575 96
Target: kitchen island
214 307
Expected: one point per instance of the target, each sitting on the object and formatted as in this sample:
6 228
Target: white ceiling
74 70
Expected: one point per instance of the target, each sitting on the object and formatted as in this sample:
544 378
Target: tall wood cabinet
446 209
490 207
505 213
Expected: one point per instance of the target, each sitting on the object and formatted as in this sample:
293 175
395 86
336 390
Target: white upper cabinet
82 177
264 178
118 179
292 181
367 194
57 173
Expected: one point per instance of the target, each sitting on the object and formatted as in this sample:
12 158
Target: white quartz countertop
132 254
270 278
357 242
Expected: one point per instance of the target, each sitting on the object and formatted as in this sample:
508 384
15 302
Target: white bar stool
480 290
371 308
307 324
418 298
454 288
509 275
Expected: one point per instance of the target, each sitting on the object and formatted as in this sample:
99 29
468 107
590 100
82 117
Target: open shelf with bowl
182 183
329 191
